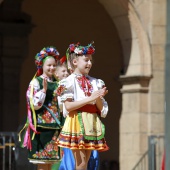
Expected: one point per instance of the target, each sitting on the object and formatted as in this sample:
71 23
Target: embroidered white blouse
72 88
38 95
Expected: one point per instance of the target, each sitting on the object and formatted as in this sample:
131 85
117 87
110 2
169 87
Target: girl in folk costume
83 105
68 162
43 120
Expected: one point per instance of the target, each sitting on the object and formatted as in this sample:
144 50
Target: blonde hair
73 56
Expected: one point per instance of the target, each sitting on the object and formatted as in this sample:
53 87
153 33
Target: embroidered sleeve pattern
38 95
65 90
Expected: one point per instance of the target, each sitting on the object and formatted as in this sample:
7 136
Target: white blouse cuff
66 96
104 110
39 99
65 112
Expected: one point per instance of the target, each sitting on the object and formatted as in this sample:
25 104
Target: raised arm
38 96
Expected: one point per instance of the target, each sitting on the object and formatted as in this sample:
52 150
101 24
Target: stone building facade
130 39
143 82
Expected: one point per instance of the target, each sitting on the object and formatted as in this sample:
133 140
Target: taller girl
83 105
43 120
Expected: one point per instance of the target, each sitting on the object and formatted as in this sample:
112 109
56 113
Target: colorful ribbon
29 125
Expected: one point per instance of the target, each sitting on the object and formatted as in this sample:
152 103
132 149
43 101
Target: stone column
14 30
134 117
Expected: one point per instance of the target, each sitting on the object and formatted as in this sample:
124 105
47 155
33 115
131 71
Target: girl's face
83 64
49 67
61 72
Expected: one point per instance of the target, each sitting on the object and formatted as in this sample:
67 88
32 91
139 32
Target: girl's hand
99 101
95 95
99 94
44 85
104 91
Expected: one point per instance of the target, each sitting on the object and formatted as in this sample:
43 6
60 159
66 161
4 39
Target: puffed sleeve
62 107
100 84
105 108
104 111
65 91
38 95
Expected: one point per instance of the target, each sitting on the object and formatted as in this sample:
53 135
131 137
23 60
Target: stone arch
132 35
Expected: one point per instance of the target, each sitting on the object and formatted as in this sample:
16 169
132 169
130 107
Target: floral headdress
44 53
79 50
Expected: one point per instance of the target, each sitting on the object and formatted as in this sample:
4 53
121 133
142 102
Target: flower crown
80 50
45 52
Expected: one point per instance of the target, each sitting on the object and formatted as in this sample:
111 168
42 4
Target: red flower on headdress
72 47
90 50
40 63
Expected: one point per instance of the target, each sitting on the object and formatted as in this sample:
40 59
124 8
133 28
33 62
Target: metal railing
7 148
142 164
151 159
12 156
156 150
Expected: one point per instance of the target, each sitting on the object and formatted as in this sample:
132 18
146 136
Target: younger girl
83 104
61 69
43 120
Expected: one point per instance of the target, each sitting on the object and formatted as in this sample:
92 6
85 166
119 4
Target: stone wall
141 27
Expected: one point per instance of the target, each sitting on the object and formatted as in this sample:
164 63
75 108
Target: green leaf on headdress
67 54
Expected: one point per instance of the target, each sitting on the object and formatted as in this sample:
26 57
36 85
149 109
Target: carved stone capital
134 84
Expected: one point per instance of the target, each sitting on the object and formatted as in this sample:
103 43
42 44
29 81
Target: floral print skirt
44 147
